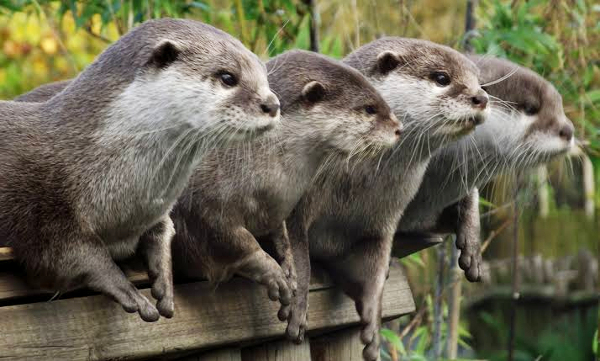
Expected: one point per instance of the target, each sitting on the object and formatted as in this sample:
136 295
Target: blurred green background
553 212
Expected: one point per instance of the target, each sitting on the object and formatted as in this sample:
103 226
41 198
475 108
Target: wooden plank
95 328
13 286
406 244
6 254
281 350
227 354
339 345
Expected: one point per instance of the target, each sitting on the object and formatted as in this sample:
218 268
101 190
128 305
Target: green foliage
560 42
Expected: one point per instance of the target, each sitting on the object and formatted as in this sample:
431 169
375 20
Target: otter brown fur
239 194
348 220
527 127
86 173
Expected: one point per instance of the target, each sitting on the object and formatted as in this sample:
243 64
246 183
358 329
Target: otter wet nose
479 101
270 108
566 132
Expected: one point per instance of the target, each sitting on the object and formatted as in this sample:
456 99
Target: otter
348 219
241 194
43 92
90 175
527 126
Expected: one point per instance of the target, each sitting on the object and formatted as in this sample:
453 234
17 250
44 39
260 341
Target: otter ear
164 53
387 61
313 92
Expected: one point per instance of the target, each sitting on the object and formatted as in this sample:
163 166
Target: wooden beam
281 350
339 345
95 328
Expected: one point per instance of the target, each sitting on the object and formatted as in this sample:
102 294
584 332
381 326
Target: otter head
433 87
186 73
332 103
527 118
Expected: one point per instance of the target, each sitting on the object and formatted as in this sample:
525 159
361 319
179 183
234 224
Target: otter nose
566 132
479 101
270 107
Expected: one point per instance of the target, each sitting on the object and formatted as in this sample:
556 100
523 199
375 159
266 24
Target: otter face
433 87
526 112
332 103
213 86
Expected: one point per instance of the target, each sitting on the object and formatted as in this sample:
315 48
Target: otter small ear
313 92
164 53
387 61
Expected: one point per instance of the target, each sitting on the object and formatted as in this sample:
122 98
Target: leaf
393 339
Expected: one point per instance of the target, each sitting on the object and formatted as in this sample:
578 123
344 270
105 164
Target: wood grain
339 345
95 328
229 354
282 350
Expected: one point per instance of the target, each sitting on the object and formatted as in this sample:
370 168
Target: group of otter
180 146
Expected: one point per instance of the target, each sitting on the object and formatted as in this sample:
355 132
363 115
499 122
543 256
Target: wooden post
515 277
339 345
228 354
437 302
454 304
469 25
282 350
314 24
543 196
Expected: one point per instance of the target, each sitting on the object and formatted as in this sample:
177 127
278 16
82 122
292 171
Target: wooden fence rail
235 321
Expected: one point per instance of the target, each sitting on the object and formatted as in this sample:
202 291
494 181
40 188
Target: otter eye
441 78
369 109
530 109
228 79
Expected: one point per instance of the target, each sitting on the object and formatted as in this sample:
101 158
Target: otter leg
462 218
362 276
256 264
282 252
155 247
87 263
296 312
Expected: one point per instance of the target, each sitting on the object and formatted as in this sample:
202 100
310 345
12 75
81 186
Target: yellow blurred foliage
38 50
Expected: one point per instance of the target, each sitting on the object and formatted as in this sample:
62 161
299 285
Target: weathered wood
227 354
6 254
406 244
339 345
281 350
13 285
94 328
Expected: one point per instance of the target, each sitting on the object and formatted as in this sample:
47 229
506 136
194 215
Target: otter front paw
470 259
134 301
369 334
296 316
277 287
162 291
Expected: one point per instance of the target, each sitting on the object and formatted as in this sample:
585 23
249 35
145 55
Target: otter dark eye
441 78
228 79
530 109
369 109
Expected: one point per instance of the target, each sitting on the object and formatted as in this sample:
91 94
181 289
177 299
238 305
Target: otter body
91 174
240 194
526 127
348 220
